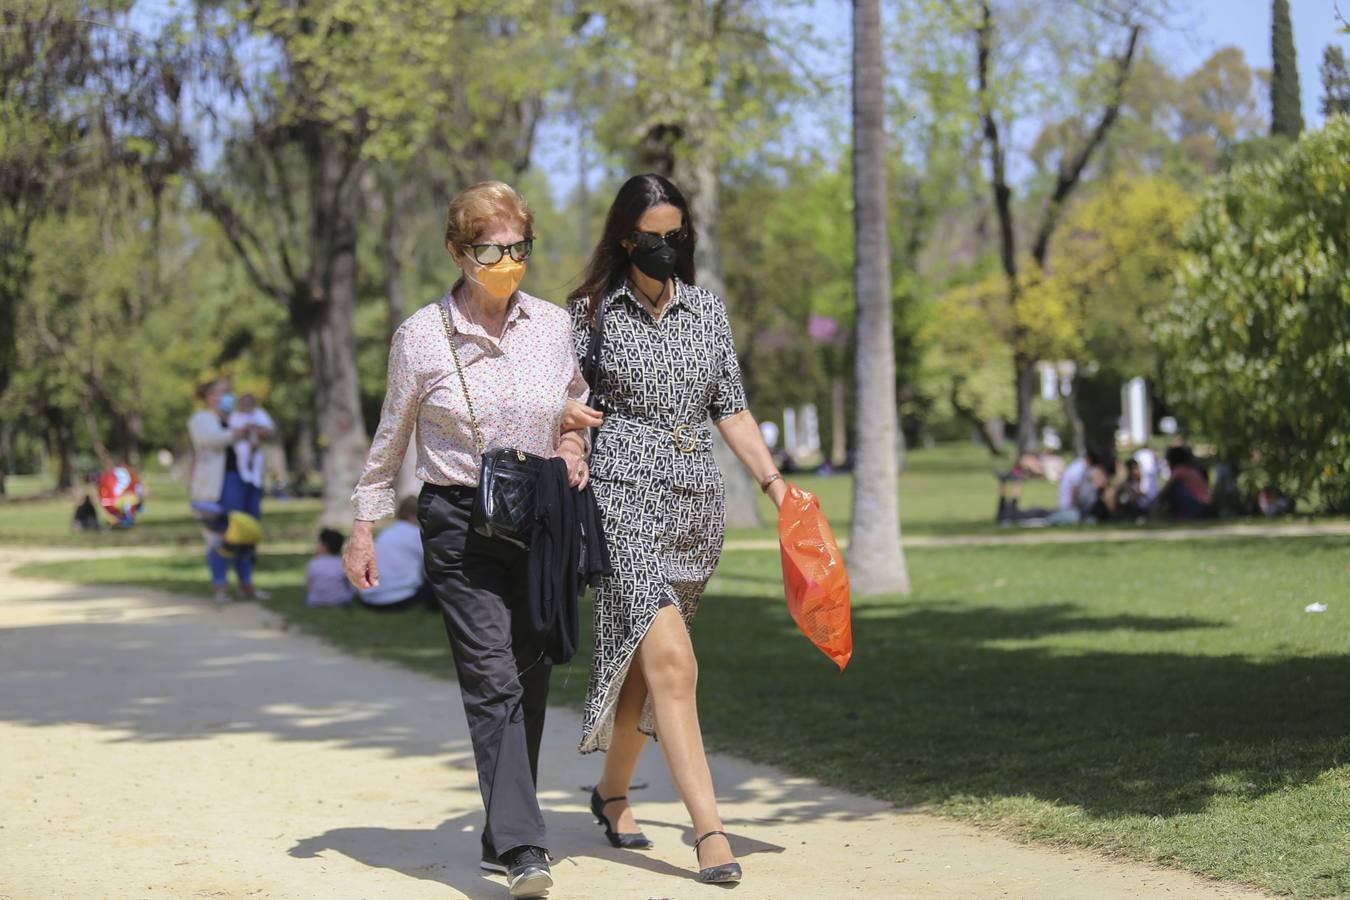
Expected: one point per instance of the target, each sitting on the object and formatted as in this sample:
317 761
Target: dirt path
155 746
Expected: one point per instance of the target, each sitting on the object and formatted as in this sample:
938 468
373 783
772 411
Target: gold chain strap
459 369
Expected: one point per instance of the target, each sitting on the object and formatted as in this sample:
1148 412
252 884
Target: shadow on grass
939 702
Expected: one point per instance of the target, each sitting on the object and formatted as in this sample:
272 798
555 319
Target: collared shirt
519 385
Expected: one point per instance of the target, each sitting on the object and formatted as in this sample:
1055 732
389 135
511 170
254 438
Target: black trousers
482 590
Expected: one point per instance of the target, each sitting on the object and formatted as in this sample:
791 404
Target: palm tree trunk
876 560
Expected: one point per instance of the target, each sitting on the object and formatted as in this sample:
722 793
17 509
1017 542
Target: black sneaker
527 873
492 863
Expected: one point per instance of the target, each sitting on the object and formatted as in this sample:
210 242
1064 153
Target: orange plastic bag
814 576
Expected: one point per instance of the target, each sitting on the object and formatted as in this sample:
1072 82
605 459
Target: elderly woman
667 373
512 354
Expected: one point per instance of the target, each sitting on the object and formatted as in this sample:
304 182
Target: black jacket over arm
567 553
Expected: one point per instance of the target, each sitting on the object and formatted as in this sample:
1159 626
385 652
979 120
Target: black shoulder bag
503 507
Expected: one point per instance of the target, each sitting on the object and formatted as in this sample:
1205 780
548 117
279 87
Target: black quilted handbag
503 507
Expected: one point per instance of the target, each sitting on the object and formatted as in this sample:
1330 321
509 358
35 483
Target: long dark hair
609 263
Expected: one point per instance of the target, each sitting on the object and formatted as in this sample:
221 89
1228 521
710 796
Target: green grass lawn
947 490
950 490
30 517
1169 702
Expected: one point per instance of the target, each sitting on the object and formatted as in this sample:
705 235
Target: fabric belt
684 438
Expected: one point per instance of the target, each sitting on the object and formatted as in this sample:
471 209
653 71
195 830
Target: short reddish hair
478 206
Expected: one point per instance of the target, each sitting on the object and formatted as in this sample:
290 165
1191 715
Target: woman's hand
578 473
577 416
358 560
778 492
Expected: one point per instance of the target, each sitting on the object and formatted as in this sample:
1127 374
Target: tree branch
244 240
1071 172
984 39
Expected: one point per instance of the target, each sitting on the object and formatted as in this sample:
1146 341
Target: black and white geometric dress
660 383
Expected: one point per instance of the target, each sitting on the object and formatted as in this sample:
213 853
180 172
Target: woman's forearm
742 435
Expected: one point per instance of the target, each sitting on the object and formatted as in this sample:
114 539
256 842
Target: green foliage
389 73
50 135
127 311
967 364
1114 263
1335 82
684 78
1258 339
1217 107
1286 104
1254 151
787 245
1186 125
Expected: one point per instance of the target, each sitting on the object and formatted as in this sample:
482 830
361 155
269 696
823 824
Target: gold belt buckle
685 440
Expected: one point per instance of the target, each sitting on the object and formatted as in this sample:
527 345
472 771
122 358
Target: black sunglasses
491 254
650 240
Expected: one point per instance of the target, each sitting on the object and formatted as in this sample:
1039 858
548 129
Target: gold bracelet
764 485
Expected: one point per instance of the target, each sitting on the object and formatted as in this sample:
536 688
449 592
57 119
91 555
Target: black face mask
657 262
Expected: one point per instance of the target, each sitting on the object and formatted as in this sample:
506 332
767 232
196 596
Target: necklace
656 307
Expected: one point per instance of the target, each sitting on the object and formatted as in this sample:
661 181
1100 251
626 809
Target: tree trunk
838 423
583 223
395 293
900 446
1025 375
6 454
95 438
982 429
134 428
876 559
62 442
303 458
329 332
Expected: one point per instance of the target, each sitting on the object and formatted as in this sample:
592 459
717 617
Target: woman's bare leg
667 660
625 746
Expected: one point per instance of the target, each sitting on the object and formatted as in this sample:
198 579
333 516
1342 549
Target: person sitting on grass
1028 465
398 559
1185 496
1126 500
325 581
86 516
1082 488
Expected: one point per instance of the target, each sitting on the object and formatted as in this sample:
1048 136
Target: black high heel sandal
727 873
635 841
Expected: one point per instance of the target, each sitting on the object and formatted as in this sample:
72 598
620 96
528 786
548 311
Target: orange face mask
500 279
